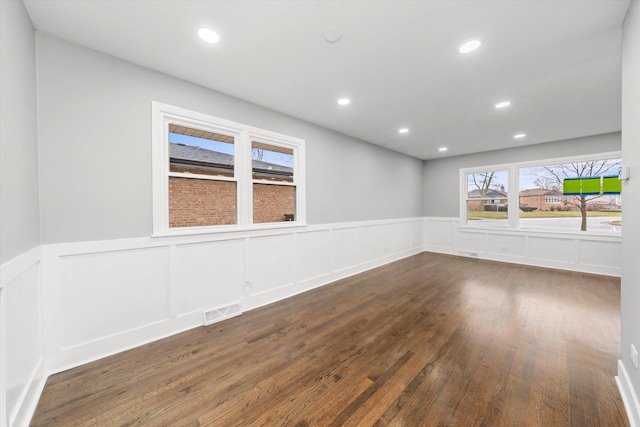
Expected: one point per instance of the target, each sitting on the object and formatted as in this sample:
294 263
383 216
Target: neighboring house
542 199
217 200
188 158
494 199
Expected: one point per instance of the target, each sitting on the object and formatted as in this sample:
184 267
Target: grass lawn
540 214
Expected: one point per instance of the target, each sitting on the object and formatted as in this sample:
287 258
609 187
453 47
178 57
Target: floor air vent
222 313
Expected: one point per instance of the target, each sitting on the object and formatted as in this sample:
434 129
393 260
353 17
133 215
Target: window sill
584 235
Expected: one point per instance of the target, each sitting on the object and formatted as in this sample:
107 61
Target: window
487 198
565 195
211 174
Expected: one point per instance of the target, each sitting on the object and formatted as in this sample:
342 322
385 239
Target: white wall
628 374
19 213
21 344
95 150
442 176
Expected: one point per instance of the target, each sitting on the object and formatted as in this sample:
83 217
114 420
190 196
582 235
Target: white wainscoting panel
106 293
388 236
440 234
21 344
313 255
471 242
417 236
344 248
589 253
507 245
369 243
404 238
270 264
209 275
601 256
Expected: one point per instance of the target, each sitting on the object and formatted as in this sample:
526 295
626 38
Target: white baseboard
69 358
29 401
629 396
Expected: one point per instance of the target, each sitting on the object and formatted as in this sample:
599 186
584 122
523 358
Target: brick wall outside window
201 203
272 202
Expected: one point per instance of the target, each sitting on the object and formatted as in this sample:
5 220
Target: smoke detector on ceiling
332 34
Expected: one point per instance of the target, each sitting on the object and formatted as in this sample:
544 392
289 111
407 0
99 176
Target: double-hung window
211 174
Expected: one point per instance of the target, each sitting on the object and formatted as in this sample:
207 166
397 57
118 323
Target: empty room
319 213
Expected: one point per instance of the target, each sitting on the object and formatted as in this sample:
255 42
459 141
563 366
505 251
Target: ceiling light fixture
503 104
403 130
519 135
442 149
208 35
344 101
469 46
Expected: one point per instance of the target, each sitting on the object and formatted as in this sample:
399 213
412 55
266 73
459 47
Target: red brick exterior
200 202
272 202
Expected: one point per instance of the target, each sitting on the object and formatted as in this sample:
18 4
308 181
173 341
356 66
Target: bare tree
553 178
258 153
482 183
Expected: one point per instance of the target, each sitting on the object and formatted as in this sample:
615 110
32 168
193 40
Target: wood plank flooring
431 340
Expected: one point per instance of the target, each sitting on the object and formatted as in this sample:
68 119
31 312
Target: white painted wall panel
313 255
471 242
417 235
403 236
111 292
344 248
368 243
554 250
587 253
209 275
271 262
504 244
388 239
600 253
440 233
24 339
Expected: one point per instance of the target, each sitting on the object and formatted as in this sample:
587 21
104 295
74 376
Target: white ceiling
557 61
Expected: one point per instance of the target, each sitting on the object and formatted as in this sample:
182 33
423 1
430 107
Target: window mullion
513 202
244 187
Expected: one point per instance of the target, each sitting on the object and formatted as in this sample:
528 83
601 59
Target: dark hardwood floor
431 340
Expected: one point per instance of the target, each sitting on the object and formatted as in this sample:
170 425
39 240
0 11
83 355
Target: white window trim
163 114
513 180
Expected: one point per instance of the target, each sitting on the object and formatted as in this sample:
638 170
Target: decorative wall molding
22 368
104 297
588 253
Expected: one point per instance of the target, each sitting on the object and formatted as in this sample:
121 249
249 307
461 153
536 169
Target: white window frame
513 170
164 114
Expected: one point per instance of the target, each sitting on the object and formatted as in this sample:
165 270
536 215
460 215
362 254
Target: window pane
273 203
487 199
271 162
201 202
200 152
489 184
570 196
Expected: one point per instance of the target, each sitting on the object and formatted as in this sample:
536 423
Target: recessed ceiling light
344 101
519 135
403 130
442 149
503 104
208 35
469 46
